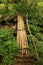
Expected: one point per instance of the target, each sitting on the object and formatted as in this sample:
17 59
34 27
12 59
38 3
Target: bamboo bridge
21 36
23 58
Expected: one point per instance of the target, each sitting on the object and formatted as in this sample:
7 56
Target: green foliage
36 27
20 8
7 40
8 47
32 51
40 4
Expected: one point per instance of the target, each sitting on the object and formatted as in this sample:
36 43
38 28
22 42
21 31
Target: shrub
8 47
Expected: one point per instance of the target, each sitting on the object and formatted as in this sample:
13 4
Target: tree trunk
6 5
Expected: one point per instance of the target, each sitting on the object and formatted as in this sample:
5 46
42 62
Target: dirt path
21 34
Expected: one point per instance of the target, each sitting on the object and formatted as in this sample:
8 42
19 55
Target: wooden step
24 60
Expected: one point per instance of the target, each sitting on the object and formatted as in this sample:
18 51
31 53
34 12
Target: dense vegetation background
8 43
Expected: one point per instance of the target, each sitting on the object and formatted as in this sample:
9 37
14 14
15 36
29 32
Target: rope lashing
20 29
